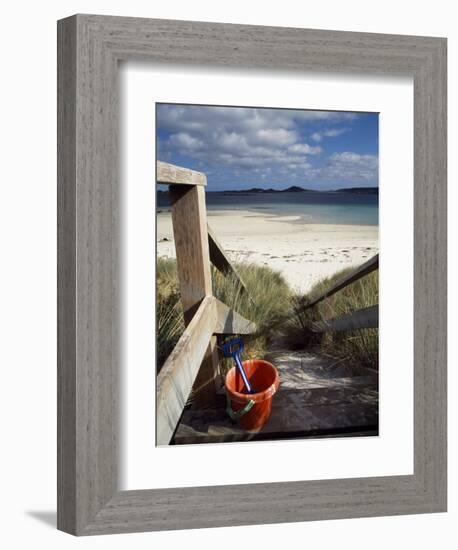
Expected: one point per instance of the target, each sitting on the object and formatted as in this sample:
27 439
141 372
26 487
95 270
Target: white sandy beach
303 253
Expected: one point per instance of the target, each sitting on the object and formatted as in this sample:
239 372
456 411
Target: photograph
288 203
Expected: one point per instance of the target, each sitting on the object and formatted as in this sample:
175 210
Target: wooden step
316 398
295 413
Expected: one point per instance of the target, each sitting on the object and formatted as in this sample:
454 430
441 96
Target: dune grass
275 310
266 303
355 349
169 313
268 307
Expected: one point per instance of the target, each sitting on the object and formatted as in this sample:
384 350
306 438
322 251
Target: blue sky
243 147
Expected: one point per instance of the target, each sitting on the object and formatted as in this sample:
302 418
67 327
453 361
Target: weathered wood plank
315 399
229 321
217 255
175 380
358 273
189 219
314 422
362 318
220 260
177 175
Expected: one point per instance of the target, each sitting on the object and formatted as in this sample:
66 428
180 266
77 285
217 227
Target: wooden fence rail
359 319
177 175
356 320
220 260
176 378
358 273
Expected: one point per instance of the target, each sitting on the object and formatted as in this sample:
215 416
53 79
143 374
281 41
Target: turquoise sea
312 207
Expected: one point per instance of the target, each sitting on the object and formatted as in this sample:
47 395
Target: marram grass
277 311
355 349
266 304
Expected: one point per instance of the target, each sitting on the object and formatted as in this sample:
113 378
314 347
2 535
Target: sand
303 253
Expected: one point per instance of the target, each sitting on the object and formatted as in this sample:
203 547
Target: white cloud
199 120
185 142
305 149
274 136
354 158
333 132
350 166
236 137
325 115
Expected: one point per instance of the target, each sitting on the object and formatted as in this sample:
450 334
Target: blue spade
234 348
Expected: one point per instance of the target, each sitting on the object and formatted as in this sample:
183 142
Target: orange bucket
252 410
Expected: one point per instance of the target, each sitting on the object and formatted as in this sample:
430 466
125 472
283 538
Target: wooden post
175 381
189 219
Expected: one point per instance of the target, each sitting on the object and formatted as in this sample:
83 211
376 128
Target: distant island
293 189
297 189
359 190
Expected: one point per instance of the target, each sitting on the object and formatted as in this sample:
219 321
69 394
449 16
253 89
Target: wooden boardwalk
316 398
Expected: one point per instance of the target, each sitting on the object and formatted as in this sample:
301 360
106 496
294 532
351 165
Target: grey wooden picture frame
89 49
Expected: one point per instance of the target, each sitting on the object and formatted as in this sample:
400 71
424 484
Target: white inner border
142 464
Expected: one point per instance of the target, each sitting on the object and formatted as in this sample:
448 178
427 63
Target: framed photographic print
251 274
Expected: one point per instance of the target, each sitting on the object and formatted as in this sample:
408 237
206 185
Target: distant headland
297 189
294 189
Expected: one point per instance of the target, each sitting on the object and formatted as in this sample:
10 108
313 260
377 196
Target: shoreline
304 253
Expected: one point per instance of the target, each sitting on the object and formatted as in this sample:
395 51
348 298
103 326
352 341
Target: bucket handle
236 415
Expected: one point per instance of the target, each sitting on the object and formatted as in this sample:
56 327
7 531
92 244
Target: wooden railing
193 364
219 259
359 319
